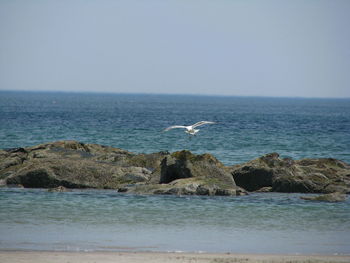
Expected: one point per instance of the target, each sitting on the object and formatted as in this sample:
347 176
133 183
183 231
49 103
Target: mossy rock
286 175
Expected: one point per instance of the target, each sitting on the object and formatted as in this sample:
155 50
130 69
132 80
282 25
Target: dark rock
16 150
40 178
184 164
260 172
203 174
253 178
73 164
122 190
332 197
292 184
34 179
172 169
265 189
323 175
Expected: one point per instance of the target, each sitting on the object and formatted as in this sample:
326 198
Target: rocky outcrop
189 186
72 164
332 197
184 164
323 175
184 173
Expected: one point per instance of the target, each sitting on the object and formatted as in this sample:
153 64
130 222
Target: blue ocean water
246 128
90 220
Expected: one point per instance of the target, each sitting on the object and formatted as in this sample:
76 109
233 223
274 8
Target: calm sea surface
246 128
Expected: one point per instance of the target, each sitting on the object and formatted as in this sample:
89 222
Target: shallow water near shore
91 220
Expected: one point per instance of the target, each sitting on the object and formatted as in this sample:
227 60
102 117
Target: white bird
191 128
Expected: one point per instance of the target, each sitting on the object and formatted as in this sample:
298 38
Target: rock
41 177
265 189
150 161
332 197
73 164
58 189
189 186
2 182
184 173
185 164
323 175
208 174
134 174
260 172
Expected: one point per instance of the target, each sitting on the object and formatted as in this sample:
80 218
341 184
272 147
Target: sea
245 128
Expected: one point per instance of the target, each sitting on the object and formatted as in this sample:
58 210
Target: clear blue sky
221 47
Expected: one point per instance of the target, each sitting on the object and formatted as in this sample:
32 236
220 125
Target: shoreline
9 256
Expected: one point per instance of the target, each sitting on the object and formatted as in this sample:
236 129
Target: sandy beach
157 257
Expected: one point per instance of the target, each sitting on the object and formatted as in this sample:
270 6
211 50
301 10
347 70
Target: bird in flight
191 128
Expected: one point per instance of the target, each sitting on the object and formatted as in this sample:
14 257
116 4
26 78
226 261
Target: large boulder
184 164
204 168
185 173
73 165
325 175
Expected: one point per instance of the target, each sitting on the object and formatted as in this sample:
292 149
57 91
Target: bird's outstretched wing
200 123
174 127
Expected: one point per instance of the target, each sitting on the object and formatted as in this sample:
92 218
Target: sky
218 47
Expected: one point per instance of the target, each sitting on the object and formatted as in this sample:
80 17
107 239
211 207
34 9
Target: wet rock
185 173
189 186
59 189
260 172
73 164
323 175
184 164
332 197
40 178
196 174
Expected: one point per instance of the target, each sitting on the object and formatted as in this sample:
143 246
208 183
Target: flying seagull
190 129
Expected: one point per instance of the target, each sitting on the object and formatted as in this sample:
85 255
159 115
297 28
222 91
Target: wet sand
158 257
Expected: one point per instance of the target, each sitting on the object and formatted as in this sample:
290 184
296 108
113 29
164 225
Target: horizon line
170 94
